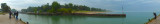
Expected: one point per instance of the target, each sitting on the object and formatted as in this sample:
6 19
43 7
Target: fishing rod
122 10
122 6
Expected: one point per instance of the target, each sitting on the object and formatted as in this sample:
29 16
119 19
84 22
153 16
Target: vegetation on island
55 7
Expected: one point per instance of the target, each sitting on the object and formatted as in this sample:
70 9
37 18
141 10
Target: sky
113 5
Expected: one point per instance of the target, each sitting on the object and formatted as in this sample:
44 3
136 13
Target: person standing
16 14
155 16
10 13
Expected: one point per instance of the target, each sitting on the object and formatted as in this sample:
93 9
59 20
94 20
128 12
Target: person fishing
155 16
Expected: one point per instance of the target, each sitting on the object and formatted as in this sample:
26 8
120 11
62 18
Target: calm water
131 18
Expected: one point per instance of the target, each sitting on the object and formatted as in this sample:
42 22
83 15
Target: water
131 18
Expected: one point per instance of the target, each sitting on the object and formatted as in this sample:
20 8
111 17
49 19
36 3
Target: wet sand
4 19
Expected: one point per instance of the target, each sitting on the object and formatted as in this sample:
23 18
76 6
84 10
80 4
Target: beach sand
4 19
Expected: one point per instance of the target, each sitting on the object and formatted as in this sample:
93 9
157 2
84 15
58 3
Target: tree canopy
5 7
56 7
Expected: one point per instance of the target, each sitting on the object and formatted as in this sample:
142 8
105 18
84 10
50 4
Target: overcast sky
114 5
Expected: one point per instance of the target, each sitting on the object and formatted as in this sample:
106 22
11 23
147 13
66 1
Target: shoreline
154 21
4 19
78 13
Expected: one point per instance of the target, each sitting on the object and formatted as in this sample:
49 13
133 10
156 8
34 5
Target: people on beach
155 16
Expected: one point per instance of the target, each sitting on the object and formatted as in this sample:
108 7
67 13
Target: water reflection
70 19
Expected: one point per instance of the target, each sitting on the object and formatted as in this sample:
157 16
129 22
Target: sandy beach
4 19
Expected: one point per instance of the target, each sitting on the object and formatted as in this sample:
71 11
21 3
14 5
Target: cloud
115 5
20 4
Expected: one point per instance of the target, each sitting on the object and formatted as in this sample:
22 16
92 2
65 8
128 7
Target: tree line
55 7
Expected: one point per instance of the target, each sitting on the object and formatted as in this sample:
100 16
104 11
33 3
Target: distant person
155 16
10 13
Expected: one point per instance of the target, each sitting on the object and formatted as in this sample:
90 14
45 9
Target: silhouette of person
27 22
10 13
155 16
16 14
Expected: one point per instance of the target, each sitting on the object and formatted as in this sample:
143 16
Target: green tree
51 10
55 6
13 10
70 5
65 10
5 7
35 10
24 10
45 7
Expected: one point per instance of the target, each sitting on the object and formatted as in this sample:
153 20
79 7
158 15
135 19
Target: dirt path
4 19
